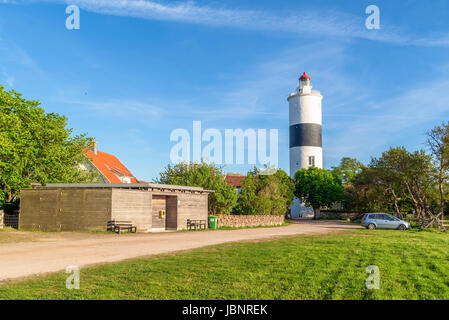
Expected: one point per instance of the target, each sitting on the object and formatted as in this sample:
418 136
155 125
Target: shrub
265 194
207 176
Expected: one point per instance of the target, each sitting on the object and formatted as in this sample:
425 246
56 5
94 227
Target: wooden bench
196 224
119 226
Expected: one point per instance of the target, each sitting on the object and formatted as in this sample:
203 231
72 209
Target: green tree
390 171
265 194
207 176
318 188
399 181
37 147
347 169
409 174
438 142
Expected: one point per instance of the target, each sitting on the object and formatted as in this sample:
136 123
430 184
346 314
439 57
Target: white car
383 221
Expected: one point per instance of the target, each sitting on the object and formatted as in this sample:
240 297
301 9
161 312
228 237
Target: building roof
109 166
235 181
305 76
143 186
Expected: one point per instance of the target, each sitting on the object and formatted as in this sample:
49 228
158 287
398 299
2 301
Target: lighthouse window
312 161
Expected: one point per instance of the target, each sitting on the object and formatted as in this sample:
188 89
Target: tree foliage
438 143
207 176
400 182
347 169
265 194
318 188
36 147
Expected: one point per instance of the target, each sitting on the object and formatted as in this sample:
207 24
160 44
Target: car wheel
371 226
402 227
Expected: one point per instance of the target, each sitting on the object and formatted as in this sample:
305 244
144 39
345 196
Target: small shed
76 207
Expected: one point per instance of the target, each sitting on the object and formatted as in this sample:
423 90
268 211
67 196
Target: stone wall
229 220
338 215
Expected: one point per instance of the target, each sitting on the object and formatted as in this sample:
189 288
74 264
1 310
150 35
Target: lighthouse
306 147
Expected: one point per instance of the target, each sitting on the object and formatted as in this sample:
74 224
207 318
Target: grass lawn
413 265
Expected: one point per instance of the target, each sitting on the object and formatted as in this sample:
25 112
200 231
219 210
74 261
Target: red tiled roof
109 166
304 76
235 181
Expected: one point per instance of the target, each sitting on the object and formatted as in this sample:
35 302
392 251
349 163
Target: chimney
94 147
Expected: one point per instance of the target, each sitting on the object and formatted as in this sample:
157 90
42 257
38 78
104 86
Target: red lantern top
305 76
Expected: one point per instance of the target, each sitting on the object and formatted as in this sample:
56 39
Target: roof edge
121 186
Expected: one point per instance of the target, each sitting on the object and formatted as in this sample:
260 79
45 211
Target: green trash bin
213 222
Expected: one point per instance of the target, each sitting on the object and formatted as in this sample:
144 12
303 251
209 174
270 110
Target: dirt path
51 254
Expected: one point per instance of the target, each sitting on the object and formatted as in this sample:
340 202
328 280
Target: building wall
305 108
191 206
299 158
73 209
65 209
132 205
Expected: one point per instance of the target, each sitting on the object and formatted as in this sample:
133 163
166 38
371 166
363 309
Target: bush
265 194
207 176
318 188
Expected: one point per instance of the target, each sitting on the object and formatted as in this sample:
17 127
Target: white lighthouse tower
306 147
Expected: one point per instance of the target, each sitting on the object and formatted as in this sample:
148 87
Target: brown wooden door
172 213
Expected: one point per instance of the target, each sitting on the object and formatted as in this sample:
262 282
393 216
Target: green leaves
36 147
347 170
266 194
207 176
318 187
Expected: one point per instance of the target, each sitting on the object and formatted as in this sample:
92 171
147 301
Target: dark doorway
171 221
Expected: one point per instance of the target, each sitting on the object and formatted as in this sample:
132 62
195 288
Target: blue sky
136 70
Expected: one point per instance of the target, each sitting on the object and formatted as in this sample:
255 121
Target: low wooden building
75 207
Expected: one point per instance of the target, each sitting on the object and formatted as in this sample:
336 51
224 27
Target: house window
312 161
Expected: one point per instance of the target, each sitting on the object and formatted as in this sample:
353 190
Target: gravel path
51 254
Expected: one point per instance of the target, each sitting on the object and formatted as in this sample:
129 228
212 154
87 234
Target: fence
1 219
11 220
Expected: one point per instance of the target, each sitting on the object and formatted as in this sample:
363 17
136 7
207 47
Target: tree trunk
395 203
316 213
441 187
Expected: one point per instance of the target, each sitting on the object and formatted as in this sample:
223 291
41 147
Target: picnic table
118 226
196 224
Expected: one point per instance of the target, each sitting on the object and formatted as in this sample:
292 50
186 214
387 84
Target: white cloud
9 51
261 91
329 23
402 120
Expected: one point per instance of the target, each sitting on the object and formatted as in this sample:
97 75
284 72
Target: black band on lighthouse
305 135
